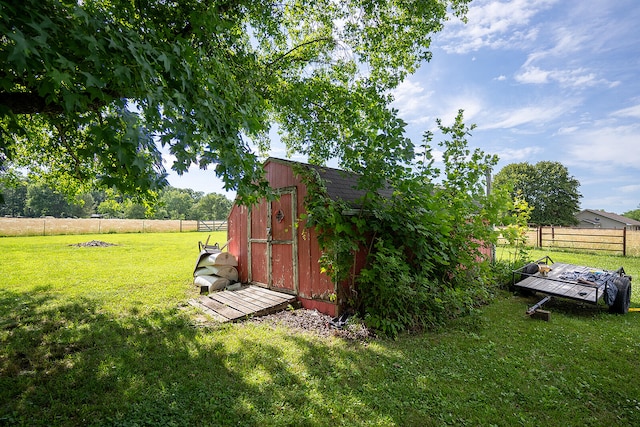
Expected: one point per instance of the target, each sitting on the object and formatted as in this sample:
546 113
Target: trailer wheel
528 270
623 297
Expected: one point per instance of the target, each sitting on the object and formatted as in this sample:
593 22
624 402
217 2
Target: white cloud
533 75
633 111
577 78
541 113
495 24
517 155
607 147
470 103
567 130
633 189
615 203
501 78
418 106
412 102
565 40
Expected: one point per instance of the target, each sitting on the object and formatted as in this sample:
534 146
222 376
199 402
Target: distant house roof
614 217
340 184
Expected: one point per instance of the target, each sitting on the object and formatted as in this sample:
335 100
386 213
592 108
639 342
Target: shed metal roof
340 184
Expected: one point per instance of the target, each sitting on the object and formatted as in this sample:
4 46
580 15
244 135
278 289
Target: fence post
624 241
540 236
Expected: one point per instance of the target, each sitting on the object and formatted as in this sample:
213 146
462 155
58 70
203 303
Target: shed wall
314 287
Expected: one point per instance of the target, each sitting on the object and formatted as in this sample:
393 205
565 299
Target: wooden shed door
272 243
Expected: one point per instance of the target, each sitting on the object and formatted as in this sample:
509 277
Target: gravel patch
314 322
93 243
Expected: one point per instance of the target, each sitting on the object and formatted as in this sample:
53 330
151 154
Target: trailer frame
550 278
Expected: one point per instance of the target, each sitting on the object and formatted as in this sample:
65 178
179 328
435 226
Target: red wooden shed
275 249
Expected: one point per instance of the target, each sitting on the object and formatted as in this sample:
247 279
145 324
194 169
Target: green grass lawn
103 336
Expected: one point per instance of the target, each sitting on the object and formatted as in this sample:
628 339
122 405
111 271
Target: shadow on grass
566 306
70 363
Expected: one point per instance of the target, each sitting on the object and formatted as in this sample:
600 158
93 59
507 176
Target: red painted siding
314 288
249 242
237 237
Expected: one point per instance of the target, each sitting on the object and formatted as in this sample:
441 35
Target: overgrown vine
339 236
424 243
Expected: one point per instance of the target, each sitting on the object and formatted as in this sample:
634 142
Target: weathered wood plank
246 300
207 310
276 296
542 285
227 298
231 298
262 298
579 291
542 315
223 310
272 309
227 306
260 303
256 296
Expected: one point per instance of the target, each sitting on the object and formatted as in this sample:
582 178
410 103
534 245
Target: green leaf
20 50
165 60
92 81
59 77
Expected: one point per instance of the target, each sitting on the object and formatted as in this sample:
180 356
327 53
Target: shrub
423 264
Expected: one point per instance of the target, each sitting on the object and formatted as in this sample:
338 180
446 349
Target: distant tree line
633 214
24 198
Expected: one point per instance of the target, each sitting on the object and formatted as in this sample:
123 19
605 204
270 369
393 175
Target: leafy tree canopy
34 199
547 187
87 89
634 214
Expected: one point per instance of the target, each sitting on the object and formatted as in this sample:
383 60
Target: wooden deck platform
250 300
553 285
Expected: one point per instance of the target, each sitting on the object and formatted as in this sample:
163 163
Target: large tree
14 198
547 187
633 214
88 90
212 207
41 200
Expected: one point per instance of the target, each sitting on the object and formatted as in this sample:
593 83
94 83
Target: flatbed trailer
575 282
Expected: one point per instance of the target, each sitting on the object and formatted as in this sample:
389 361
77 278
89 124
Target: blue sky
551 80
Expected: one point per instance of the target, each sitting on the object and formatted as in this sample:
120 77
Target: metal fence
592 239
220 225
51 226
618 241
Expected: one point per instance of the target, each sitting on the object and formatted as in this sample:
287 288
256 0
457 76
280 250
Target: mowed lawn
104 336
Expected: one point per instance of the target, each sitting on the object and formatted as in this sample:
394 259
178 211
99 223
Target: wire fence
212 225
615 241
52 226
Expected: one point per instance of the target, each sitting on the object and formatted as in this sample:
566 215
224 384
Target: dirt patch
93 243
315 322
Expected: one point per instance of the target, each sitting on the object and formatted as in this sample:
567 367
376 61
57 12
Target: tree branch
31 103
290 51
27 103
